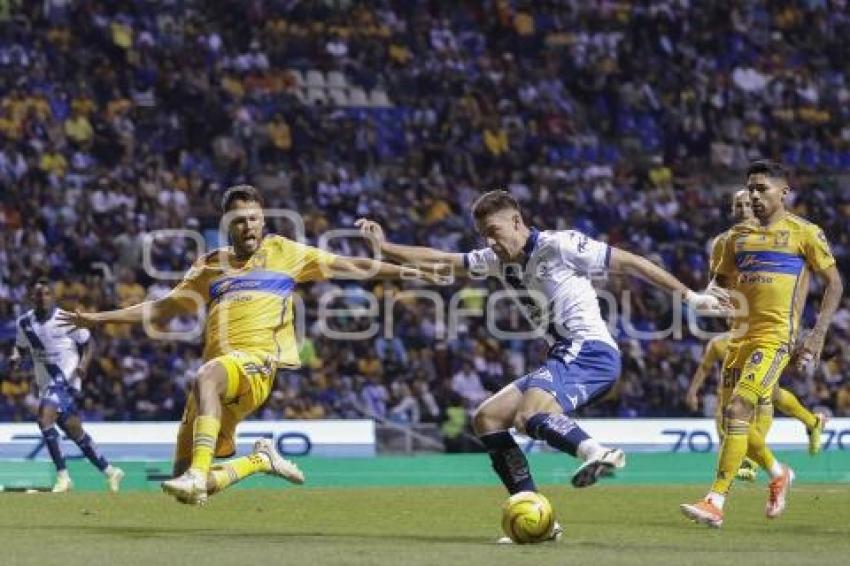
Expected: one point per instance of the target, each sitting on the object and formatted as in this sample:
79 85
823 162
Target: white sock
63 474
716 499
589 448
776 470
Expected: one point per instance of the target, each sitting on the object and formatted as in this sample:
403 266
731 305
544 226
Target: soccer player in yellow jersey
716 350
249 333
767 262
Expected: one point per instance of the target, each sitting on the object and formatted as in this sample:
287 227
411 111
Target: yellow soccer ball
527 517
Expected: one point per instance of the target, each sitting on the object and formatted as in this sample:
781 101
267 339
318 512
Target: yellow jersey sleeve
816 249
193 290
304 263
717 252
726 255
316 264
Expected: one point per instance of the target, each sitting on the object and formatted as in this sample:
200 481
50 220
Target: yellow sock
788 403
757 448
203 442
732 453
224 475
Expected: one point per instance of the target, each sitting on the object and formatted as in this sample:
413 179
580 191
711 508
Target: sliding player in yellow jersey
767 263
249 333
715 351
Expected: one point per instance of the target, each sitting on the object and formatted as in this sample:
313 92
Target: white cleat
63 482
113 478
191 488
279 466
603 464
557 534
777 492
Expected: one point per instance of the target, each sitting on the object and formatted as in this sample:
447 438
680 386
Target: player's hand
705 303
809 352
77 319
692 401
723 296
371 229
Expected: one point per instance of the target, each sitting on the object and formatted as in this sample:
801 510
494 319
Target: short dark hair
240 192
491 202
39 280
768 168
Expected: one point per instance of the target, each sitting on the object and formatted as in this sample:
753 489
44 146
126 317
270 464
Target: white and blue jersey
583 361
55 352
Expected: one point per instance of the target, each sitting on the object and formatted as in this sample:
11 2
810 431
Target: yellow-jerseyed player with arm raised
247 290
768 263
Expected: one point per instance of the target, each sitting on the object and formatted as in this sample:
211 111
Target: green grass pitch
417 525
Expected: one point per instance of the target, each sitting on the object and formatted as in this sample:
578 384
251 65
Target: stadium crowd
627 121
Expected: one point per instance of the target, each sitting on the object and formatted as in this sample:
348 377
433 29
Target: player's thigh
48 414
762 365
498 411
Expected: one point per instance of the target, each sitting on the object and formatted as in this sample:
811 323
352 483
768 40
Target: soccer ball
527 517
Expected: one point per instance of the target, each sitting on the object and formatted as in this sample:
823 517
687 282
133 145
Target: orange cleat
777 492
704 512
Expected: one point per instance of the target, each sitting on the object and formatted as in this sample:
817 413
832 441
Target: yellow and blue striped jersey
771 266
249 304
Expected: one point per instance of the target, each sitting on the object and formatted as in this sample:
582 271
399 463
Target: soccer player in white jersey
583 361
60 359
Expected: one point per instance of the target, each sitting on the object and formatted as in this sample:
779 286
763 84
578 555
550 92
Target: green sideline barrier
449 470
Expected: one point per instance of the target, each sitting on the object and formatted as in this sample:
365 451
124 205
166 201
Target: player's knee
484 421
739 409
210 378
521 420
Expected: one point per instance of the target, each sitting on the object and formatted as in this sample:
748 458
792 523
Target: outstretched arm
418 256
366 268
160 310
631 264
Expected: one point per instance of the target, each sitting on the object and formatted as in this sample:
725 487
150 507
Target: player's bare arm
812 346
420 256
631 264
161 310
367 268
701 373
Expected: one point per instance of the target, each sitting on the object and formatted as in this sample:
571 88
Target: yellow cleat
815 432
748 471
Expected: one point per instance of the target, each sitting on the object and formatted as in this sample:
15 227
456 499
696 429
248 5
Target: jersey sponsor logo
757 279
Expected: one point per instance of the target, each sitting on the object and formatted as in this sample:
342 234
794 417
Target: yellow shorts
754 369
250 378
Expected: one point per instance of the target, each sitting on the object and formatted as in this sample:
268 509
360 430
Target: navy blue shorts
62 396
575 379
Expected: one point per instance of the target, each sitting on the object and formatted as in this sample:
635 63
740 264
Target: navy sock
87 447
559 431
509 461
51 439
